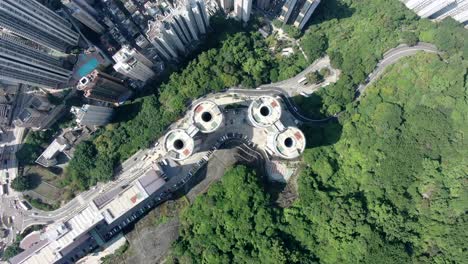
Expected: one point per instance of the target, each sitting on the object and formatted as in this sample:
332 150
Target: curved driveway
391 57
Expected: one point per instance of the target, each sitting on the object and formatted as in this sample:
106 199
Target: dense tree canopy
358 33
242 60
233 223
392 189
21 183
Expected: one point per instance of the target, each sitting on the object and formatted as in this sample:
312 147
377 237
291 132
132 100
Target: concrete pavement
137 165
391 57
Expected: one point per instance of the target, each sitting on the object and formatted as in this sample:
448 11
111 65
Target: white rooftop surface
124 202
53 149
179 144
77 226
207 117
290 143
264 111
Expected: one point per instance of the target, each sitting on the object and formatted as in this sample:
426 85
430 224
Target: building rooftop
59 238
290 143
264 111
207 117
179 144
123 202
151 181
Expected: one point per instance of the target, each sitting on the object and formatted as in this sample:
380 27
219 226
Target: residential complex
298 12
103 87
84 13
440 9
133 64
91 115
23 63
89 228
161 171
174 34
242 9
33 21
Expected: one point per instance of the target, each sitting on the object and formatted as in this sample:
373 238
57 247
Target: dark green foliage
243 59
87 167
11 251
451 37
314 45
364 31
392 188
39 204
21 183
33 146
409 38
314 77
292 31
233 223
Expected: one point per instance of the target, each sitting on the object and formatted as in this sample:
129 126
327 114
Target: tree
235 216
21 183
325 72
314 77
409 38
11 251
314 45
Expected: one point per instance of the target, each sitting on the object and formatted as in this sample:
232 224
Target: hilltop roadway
135 166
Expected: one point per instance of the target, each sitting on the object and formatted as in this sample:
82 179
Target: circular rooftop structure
264 111
207 117
178 144
290 143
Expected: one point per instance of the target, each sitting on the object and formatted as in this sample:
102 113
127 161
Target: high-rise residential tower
103 87
84 13
33 21
22 63
440 9
286 10
133 64
226 5
174 34
306 12
91 115
242 9
263 4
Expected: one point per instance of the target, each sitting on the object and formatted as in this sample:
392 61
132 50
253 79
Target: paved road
133 167
391 57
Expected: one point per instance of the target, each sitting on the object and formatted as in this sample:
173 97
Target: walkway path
128 174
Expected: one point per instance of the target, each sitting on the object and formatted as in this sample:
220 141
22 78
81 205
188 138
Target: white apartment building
440 9
173 34
242 10
133 64
306 12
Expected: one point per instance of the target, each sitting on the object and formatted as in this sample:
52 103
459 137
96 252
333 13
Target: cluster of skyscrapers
174 32
298 12
440 9
140 36
28 31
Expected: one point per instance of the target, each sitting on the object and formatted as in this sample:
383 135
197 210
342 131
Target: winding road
275 89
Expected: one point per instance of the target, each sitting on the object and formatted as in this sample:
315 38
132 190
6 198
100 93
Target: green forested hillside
392 189
243 59
357 34
233 222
